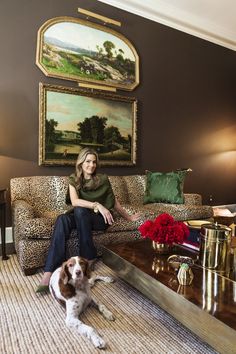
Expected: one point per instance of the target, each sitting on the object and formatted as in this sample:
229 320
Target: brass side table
3 222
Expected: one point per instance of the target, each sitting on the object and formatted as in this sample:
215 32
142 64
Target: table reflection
160 264
210 291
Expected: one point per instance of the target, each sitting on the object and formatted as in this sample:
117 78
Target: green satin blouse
101 193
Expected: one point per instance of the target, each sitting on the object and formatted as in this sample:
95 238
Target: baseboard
9 236
10 249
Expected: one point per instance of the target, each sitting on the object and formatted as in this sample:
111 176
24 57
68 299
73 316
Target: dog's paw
97 341
108 279
110 316
93 336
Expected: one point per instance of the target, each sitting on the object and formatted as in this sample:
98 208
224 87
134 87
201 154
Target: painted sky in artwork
86 37
70 109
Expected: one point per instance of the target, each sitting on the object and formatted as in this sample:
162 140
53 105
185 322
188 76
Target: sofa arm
37 228
192 199
22 210
26 224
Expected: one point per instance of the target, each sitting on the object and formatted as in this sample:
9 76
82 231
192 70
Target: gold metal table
207 306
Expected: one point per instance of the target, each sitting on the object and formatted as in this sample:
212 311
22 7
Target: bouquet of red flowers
164 229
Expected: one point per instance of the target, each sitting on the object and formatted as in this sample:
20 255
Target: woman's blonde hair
79 177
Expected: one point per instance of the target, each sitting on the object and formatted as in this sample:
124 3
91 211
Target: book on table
193 240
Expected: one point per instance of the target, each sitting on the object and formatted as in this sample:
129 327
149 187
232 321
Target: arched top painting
78 50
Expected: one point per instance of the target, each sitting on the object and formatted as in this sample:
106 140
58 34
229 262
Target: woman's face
89 165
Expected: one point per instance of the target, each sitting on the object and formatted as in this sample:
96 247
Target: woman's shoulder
102 177
71 179
72 176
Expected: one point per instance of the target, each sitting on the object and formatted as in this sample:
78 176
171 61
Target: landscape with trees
73 122
88 54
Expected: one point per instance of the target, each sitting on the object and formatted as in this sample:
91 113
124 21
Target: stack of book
193 240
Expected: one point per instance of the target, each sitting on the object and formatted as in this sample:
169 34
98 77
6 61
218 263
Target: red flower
164 219
145 227
164 229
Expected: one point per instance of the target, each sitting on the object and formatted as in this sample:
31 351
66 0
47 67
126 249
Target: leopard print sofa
37 201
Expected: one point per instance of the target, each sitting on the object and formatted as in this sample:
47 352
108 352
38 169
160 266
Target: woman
92 197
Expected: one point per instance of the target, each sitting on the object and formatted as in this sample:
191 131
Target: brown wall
187 98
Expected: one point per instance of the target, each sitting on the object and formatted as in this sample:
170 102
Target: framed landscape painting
71 119
78 50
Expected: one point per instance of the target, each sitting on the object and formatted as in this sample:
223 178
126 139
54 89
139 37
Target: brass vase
161 248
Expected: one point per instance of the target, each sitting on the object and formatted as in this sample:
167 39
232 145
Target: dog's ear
88 270
64 273
66 289
85 266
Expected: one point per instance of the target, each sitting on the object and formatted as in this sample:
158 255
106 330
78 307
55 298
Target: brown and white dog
70 285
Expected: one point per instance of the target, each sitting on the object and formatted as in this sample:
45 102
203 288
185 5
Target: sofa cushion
165 187
121 224
180 212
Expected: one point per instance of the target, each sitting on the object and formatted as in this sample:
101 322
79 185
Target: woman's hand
124 213
107 216
134 217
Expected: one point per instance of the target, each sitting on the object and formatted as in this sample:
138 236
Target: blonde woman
92 197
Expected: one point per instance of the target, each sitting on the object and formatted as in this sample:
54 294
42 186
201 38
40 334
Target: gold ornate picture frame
71 119
74 49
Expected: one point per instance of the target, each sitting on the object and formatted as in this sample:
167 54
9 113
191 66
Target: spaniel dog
70 286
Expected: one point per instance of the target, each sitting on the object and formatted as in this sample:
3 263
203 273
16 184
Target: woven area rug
35 323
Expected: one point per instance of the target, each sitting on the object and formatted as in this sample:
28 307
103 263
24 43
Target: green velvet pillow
165 187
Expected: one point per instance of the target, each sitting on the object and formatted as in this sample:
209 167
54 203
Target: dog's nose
78 272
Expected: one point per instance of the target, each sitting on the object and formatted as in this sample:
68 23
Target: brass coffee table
207 306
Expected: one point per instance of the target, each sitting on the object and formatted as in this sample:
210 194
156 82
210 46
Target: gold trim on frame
63 161
96 87
99 17
53 71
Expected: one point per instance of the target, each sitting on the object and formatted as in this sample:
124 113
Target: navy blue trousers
85 221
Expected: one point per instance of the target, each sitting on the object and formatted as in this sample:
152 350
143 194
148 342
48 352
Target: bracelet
95 208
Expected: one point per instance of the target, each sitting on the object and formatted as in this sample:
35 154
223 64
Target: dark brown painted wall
187 98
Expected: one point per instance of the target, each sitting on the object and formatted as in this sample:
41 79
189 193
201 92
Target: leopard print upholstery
38 200
192 199
136 188
119 188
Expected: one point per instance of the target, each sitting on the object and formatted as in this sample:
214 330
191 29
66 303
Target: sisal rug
35 323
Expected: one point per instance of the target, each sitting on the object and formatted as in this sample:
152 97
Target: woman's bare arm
78 202
124 213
